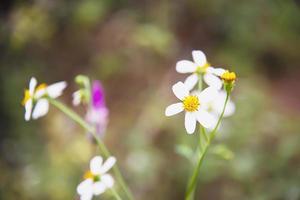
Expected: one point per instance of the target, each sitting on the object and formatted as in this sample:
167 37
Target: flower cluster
204 106
36 102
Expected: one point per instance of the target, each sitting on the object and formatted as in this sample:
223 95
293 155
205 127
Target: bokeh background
132 46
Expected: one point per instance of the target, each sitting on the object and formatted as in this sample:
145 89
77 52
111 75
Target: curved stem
70 113
193 180
115 193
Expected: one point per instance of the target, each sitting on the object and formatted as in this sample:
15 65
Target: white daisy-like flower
192 105
198 67
215 107
35 101
97 180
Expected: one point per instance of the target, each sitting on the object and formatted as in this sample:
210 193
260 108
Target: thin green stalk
193 180
115 194
100 144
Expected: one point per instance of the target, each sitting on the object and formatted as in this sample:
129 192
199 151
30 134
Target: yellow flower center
203 68
191 103
26 97
92 176
228 77
41 86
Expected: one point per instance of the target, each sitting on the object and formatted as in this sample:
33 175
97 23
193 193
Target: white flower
198 67
35 101
215 106
192 105
97 181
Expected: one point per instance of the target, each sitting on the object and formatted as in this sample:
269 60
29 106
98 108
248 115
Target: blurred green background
132 46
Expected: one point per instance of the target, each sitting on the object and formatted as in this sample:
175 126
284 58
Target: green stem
115 193
99 142
193 180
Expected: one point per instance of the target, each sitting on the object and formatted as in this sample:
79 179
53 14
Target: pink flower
97 114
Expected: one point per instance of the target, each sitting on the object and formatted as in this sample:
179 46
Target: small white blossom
198 67
97 180
192 105
35 101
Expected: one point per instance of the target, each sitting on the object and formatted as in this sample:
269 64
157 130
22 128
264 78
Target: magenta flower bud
97 114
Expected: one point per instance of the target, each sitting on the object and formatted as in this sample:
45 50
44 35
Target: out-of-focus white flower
192 105
216 105
77 97
200 66
35 98
97 180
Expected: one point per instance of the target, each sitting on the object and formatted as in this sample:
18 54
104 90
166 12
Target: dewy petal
185 66
180 90
99 187
32 85
174 109
109 163
28 109
213 81
191 81
199 57
216 71
205 119
190 122
107 180
207 95
85 187
56 89
96 165
41 108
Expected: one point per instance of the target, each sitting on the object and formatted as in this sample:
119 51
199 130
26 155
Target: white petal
109 163
99 187
76 98
56 89
32 85
41 108
216 71
96 164
107 180
206 119
185 66
28 109
85 187
207 95
40 93
218 104
174 109
180 90
190 122
230 109
213 81
87 196
199 58
191 81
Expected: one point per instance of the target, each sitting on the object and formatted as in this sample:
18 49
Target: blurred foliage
132 46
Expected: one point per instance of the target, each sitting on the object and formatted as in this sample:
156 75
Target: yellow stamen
228 77
88 174
191 103
41 86
26 97
203 68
